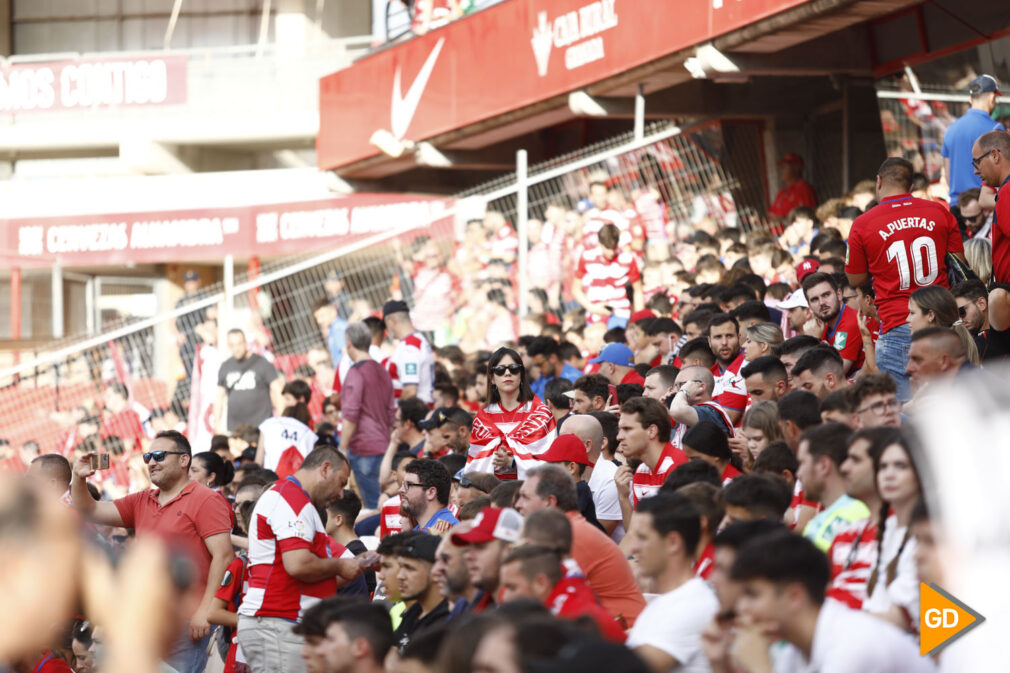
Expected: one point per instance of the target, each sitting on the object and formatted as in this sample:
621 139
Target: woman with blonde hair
934 306
760 338
978 254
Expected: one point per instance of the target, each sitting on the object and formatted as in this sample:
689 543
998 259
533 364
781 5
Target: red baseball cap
492 523
641 315
791 158
566 449
806 267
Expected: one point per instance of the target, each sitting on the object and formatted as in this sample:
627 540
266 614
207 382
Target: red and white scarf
525 432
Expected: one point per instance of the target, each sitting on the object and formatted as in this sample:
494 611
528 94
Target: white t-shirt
904 590
673 622
605 498
413 364
850 641
282 437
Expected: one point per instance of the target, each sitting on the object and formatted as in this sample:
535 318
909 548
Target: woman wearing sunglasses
514 426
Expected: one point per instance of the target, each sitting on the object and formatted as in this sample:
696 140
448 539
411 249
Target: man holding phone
184 513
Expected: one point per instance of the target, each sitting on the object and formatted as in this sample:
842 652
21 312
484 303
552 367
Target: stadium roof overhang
463 98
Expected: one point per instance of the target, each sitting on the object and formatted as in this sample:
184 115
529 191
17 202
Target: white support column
57 301
226 314
522 214
639 113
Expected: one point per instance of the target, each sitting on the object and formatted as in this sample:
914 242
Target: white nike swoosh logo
403 107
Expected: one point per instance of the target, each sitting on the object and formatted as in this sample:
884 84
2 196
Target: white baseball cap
795 300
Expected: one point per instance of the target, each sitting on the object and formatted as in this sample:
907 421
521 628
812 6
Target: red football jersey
843 334
902 244
1001 236
646 482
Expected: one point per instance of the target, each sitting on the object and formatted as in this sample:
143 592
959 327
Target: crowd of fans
696 453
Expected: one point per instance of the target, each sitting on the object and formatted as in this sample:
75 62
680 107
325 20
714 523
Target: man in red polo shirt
991 156
840 324
902 245
185 513
795 190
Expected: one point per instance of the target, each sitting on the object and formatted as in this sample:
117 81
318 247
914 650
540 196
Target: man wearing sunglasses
181 511
973 311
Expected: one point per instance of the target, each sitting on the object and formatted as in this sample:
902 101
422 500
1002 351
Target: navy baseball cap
616 354
394 306
190 275
983 84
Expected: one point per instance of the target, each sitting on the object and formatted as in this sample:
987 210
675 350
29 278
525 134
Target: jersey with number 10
902 243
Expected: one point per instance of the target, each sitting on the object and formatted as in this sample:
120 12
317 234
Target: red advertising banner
276 229
505 58
92 83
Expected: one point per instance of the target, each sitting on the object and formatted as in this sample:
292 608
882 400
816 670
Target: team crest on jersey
841 338
410 369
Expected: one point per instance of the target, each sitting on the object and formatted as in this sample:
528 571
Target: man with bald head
937 353
692 403
599 475
991 157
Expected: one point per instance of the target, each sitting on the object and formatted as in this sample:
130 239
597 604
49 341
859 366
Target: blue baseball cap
616 354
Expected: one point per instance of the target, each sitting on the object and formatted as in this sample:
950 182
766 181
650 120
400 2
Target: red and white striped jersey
652 214
525 432
730 390
389 519
605 281
705 564
852 555
595 219
413 364
646 482
800 500
286 442
505 243
284 519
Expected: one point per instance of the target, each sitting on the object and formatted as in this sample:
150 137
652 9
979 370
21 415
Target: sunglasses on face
466 483
962 311
511 369
159 456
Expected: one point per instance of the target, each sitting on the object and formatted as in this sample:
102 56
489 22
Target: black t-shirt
412 622
357 547
247 383
993 346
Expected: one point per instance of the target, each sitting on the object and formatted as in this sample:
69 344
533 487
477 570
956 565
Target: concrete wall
52 26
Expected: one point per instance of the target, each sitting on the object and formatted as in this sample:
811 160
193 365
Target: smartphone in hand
99 461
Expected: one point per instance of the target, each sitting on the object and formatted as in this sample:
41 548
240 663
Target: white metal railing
493 192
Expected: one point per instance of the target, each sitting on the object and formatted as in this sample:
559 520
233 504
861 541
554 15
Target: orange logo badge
942 619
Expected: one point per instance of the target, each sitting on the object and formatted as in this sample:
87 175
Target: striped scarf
524 432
